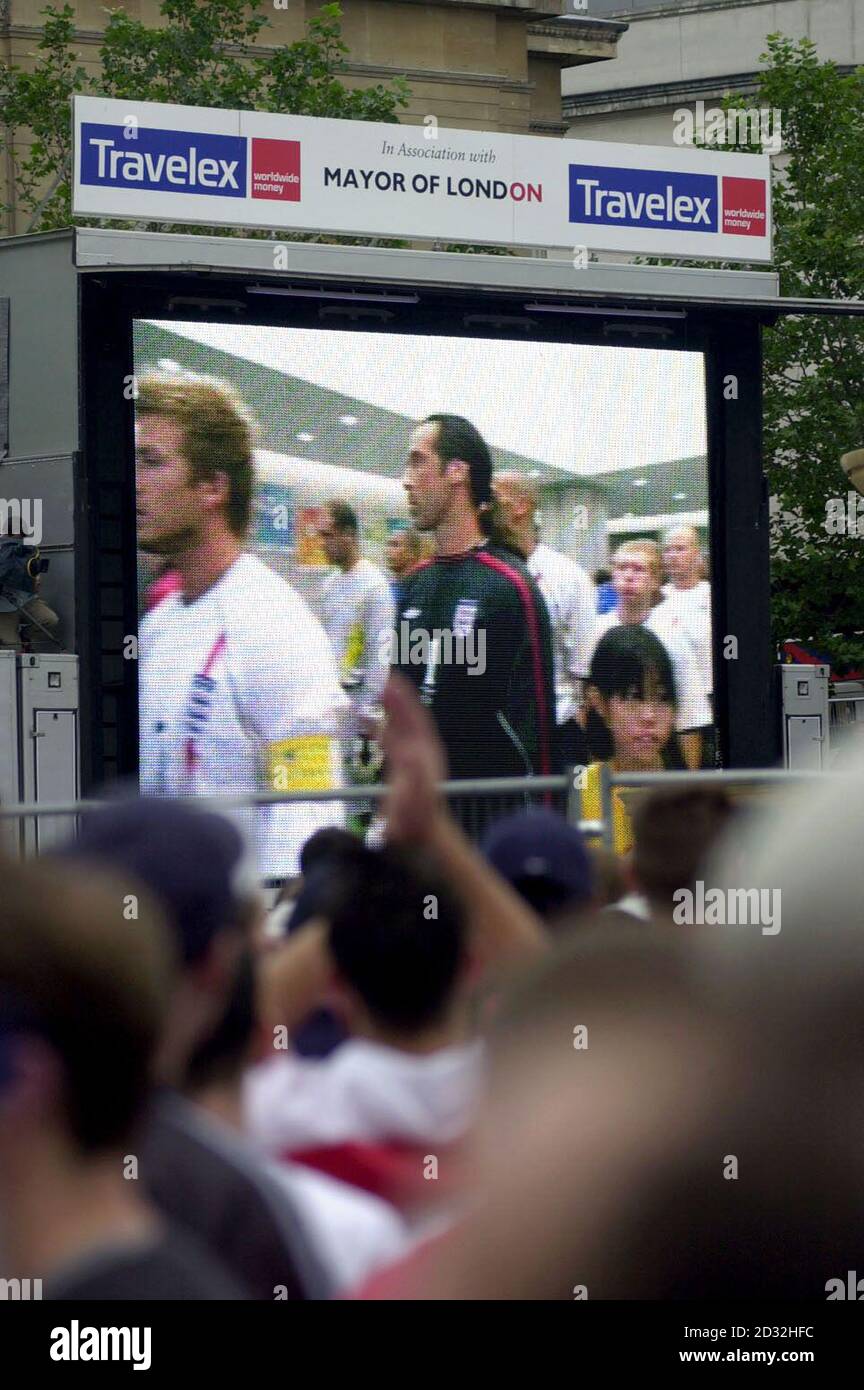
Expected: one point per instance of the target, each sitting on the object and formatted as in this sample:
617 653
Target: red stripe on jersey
215 651
536 654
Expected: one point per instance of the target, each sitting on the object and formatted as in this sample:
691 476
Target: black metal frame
729 336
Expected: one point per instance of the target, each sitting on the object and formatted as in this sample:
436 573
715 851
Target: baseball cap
195 862
543 857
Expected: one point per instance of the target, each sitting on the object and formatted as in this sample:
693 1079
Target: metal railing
509 794
729 777
475 803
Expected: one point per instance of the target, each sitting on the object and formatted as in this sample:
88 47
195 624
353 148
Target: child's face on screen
641 726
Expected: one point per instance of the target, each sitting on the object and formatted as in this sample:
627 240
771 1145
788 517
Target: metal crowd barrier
477 802
729 777
844 710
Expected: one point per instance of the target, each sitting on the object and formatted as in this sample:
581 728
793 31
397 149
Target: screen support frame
728 334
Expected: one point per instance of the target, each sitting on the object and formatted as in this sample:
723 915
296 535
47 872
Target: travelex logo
182 161
667 200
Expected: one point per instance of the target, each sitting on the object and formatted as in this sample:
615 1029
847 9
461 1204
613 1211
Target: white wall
719 40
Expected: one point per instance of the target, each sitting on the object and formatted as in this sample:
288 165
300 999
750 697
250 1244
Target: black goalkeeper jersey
473 635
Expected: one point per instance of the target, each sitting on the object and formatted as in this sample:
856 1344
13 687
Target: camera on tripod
20 565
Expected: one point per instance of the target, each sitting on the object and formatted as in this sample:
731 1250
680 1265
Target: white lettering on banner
657 206
178 169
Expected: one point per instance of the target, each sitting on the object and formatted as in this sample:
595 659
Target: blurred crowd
434 1070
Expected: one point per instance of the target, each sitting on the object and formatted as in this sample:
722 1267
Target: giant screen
293 544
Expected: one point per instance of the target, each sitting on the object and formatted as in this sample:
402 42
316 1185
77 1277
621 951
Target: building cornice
579 27
573 41
355 69
556 128
577 104
657 94
673 10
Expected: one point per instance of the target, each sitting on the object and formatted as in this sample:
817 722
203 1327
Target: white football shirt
358 608
693 609
244 666
570 598
363 1092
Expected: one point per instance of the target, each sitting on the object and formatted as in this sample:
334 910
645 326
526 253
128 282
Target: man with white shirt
358 607
238 688
570 599
688 594
636 575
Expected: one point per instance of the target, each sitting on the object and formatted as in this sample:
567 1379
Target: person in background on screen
238 687
637 576
357 606
569 598
606 596
404 551
631 702
473 629
687 595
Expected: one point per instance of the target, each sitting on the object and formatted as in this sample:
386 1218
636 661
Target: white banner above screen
145 160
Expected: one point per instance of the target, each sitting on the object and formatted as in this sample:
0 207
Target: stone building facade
474 64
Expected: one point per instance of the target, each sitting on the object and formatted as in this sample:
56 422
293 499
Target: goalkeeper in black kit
472 630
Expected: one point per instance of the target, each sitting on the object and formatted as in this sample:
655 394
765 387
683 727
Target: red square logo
276 170
744 207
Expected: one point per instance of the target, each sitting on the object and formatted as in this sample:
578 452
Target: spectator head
675 830
602 576
329 842
324 844
545 859
519 499
340 532
637 573
404 550
631 700
322 860
682 557
622 1184
82 1002
194 479
396 934
195 864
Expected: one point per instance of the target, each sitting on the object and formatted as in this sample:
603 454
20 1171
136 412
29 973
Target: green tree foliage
813 366
203 55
